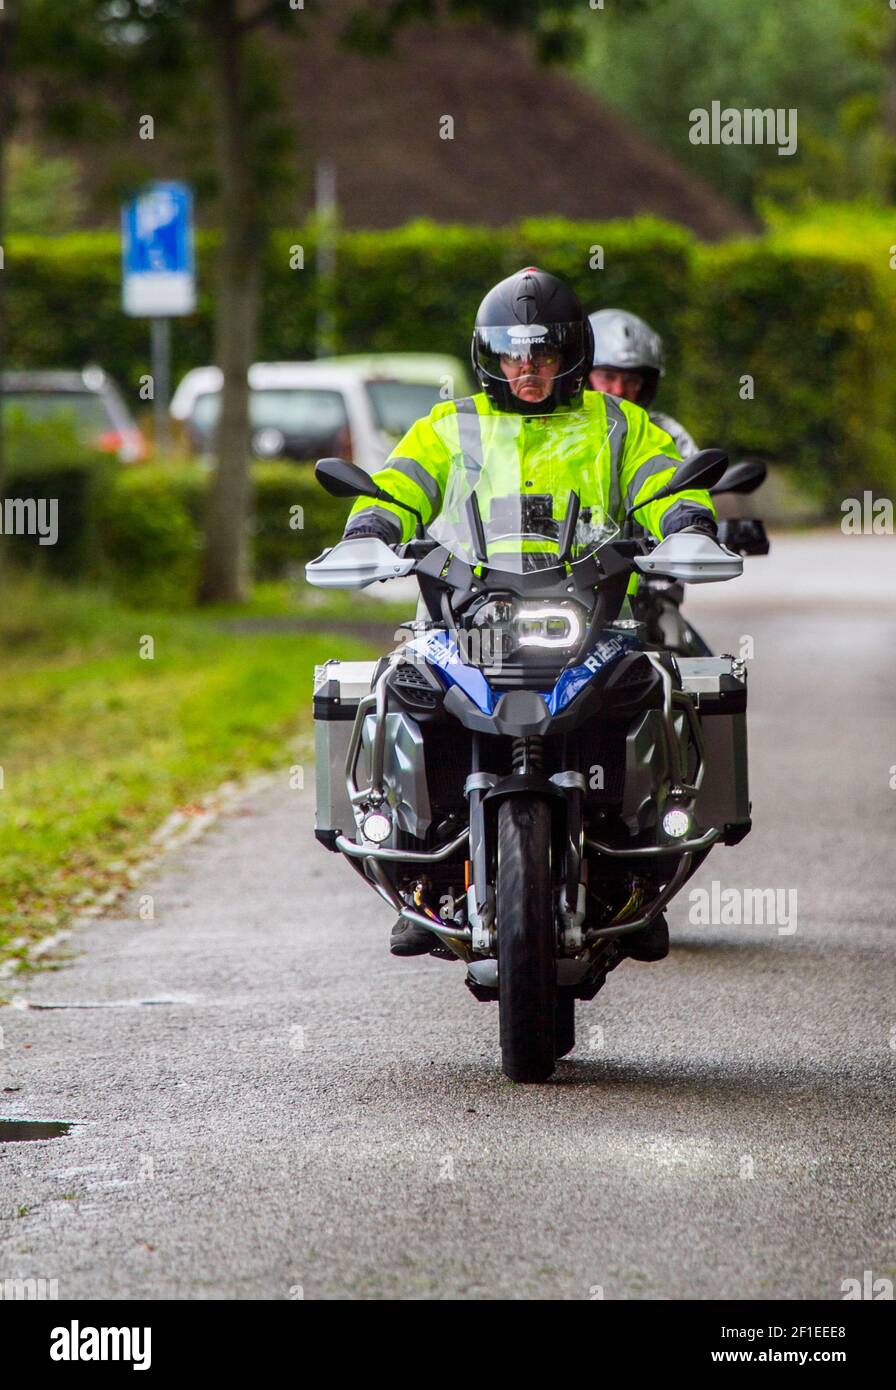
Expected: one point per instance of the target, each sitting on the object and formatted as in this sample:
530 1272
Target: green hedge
415 288
814 329
148 540
419 287
139 529
293 518
807 311
64 309
46 461
149 527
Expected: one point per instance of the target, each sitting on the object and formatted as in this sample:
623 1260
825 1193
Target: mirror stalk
568 530
474 516
420 529
702 471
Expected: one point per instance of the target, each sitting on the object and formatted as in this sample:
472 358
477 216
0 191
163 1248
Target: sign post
158 279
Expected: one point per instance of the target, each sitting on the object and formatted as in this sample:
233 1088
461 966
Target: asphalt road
264 1101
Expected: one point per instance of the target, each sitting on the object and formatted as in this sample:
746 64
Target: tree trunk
225 571
7 35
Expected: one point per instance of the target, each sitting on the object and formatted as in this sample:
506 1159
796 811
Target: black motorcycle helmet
532 312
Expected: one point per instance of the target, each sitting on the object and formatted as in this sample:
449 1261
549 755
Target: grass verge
112 718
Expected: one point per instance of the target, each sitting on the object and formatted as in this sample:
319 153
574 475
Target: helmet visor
509 351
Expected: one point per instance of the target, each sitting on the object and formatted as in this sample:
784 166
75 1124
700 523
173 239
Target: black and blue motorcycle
528 776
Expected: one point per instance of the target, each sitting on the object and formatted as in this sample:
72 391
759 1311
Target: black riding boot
410 939
650 944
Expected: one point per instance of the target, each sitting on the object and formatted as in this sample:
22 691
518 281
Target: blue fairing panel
440 652
605 652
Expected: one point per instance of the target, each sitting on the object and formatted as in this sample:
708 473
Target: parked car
348 407
89 399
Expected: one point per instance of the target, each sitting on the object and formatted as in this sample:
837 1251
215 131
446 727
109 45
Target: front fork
574 891
527 760
480 893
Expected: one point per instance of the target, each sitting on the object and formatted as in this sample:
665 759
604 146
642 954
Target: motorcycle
523 776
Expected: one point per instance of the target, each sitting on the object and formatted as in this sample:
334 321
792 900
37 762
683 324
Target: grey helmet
624 341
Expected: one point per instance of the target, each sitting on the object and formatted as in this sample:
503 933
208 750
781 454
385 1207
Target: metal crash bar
404 856
678 697
652 851
394 899
608 933
375 856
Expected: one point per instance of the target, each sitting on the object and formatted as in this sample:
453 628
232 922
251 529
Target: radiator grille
413 687
448 761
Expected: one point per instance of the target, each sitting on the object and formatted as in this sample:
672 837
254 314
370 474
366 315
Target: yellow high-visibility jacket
640 458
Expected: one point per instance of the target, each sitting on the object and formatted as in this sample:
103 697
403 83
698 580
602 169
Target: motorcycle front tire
527 969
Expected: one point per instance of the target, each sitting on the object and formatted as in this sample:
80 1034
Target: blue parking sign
158 274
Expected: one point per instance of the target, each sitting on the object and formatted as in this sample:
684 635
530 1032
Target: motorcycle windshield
519 471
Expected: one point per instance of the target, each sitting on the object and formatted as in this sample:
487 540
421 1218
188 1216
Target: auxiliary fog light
377 827
676 823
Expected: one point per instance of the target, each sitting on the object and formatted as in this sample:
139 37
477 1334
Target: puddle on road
19 1131
105 1003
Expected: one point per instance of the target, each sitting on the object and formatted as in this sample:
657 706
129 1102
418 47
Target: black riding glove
383 525
692 518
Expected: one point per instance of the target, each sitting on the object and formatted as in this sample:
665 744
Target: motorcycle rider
628 362
532 352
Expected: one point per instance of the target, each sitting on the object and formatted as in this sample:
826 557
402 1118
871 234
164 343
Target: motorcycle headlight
547 625
505 627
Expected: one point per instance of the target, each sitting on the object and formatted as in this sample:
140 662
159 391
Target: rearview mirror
702 471
343 479
745 476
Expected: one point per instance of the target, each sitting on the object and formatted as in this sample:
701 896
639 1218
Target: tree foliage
658 60
44 194
196 64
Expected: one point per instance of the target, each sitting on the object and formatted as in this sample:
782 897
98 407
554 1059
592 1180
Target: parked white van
346 407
